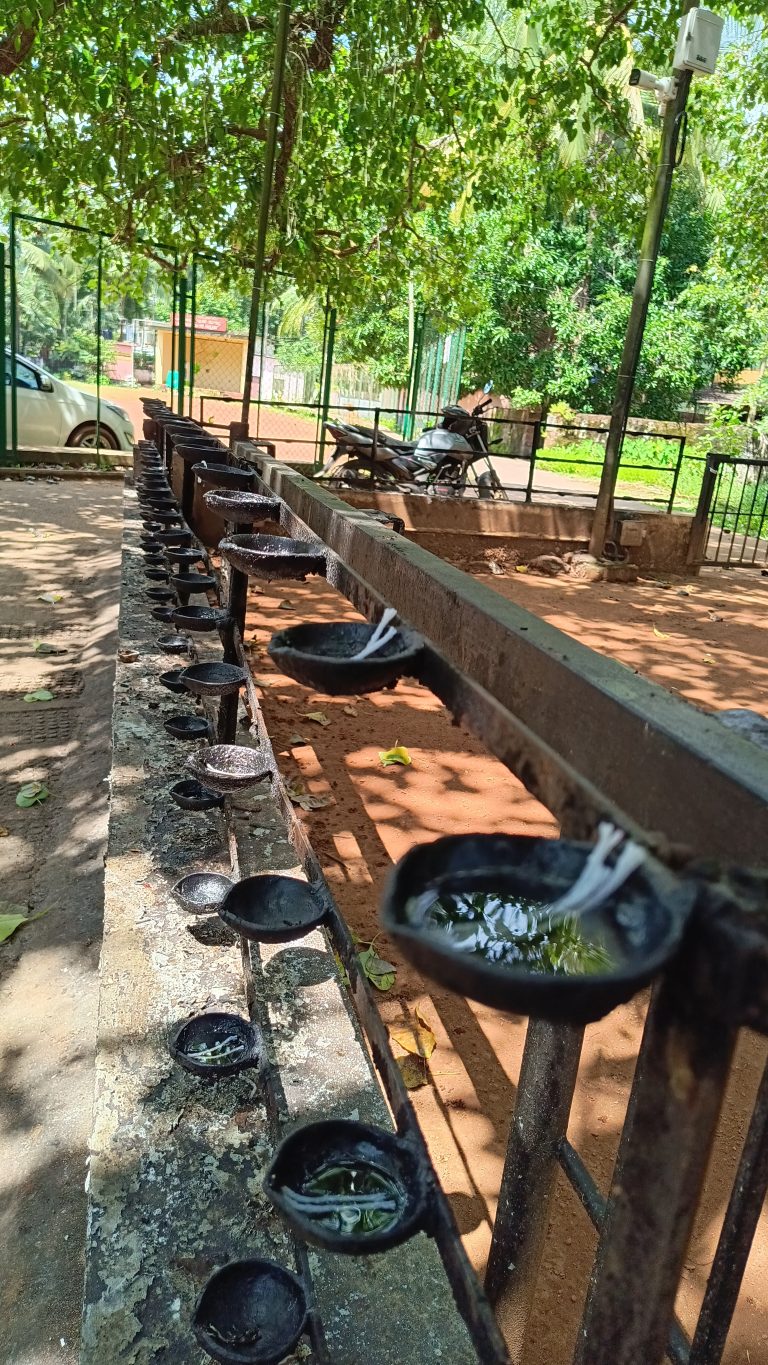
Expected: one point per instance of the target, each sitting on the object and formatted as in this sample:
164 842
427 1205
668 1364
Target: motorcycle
441 462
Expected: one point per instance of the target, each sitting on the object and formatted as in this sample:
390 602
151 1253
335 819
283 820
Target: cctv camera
664 88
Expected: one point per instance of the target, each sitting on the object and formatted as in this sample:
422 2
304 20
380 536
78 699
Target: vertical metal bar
735 531
761 524
460 367
547 1081
265 203
431 378
237 603
321 384
99 270
676 475
14 329
182 366
724 512
416 377
193 311
738 1230
535 440
327 380
3 386
173 325
750 514
375 446
404 427
680 1080
262 349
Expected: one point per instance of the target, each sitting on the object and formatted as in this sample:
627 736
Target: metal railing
731 522
635 756
530 433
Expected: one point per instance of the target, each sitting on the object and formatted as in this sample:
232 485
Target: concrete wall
467 532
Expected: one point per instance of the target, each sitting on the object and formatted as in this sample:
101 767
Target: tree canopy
491 153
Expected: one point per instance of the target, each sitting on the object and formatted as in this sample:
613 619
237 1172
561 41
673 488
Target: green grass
662 455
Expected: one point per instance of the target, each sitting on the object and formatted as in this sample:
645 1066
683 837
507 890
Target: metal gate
733 512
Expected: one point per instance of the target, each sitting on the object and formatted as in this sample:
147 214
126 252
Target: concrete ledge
59 472
176 1167
73 456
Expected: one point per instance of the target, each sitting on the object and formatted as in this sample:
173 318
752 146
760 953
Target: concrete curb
176 1167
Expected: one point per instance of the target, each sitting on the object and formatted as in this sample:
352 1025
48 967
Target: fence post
700 527
321 383
265 200
193 310
182 365
416 374
327 377
14 330
680 1079
375 446
535 441
99 269
544 1095
460 365
174 302
3 412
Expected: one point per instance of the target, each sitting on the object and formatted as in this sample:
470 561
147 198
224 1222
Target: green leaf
52 597
380 973
31 794
11 916
41 694
399 754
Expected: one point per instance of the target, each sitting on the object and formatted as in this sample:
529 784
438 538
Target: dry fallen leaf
413 1071
350 710
52 597
4 833
416 1037
659 634
298 741
42 648
319 717
287 605
521 568
128 656
707 659
305 800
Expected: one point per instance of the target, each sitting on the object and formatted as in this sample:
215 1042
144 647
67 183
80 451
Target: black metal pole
547 1081
680 1080
633 341
265 203
236 604
735 1242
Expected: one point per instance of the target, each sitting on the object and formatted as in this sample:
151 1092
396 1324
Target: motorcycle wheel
359 473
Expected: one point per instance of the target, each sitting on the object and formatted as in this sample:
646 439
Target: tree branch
17 43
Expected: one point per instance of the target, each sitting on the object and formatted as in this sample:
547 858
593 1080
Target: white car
52 413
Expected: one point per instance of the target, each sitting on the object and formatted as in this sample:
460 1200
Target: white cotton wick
598 881
381 636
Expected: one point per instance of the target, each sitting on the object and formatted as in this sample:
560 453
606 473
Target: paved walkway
63 538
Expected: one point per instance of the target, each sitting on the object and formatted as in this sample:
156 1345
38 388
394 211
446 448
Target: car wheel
86 436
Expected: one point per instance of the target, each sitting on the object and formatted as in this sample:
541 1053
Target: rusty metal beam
573 725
